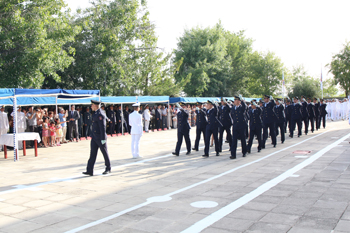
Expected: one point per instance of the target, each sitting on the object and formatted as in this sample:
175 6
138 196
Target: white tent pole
15 146
122 119
168 114
56 106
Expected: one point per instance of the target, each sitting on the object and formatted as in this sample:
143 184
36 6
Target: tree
32 35
307 87
340 68
265 74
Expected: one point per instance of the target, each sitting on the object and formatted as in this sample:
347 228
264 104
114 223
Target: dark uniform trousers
318 122
95 144
256 131
111 127
208 133
87 130
238 133
199 131
221 136
269 127
180 135
281 126
312 123
323 119
306 124
294 123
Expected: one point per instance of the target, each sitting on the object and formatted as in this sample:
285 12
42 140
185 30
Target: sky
300 32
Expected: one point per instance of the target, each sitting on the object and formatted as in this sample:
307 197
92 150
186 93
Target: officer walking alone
201 123
98 139
183 130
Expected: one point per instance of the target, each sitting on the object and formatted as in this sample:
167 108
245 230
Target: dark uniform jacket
279 110
304 111
111 115
288 111
182 121
311 110
80 120
323 110
317 109
268 113
224 113
296 111
239 116
212 116
201 121
158 115
255 121
119 115
87 118
99 125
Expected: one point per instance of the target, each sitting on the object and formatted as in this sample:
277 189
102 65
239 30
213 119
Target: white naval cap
137 104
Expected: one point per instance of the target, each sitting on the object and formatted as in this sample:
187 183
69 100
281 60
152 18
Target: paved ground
272 191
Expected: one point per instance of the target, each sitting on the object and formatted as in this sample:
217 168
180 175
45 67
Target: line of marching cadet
242 121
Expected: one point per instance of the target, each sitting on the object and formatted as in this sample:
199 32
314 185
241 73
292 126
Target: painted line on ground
221 213
97 222
34 187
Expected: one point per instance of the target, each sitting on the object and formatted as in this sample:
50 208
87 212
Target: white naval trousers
2 131
135 143
20 143
146 125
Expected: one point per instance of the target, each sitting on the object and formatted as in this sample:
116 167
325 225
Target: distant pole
321 82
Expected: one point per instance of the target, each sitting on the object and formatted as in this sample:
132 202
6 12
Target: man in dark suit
255 126
201 123
212 128
226 120
311 110
296 117
80 121
119 118
323 114
73 117
87 122
238 114
269 119
158 117
305 114
288 113
98 139
112 117
281 118
183 130
126 119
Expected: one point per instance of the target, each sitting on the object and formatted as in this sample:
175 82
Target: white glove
103 142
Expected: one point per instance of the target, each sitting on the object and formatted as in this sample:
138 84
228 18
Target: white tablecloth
7 139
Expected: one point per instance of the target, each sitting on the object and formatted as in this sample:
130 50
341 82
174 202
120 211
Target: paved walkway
276 190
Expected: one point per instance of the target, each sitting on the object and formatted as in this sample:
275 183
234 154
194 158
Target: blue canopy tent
192 99
15 97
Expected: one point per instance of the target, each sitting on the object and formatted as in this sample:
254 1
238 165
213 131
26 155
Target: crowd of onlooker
70 124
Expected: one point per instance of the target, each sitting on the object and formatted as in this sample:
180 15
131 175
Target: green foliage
340 68
32 34
265 74
221 63
303 84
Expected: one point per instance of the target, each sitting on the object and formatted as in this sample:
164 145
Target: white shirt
4 121
147 115
21 120
135 121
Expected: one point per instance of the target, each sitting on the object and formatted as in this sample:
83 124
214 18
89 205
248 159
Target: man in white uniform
4 122
135 121
147 117
21 124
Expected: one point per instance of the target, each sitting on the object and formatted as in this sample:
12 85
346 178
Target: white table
7 140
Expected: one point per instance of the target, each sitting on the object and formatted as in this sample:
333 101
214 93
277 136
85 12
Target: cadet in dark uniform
126 119
269 118
317 113
323 114
226 120
158 117
296 117
281 118
288 113
87 122
239 118
112 117
311 110
255 126
305 114
201 123
80 121
98 139
212 128
183 130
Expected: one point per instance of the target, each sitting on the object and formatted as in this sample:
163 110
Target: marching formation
241 120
